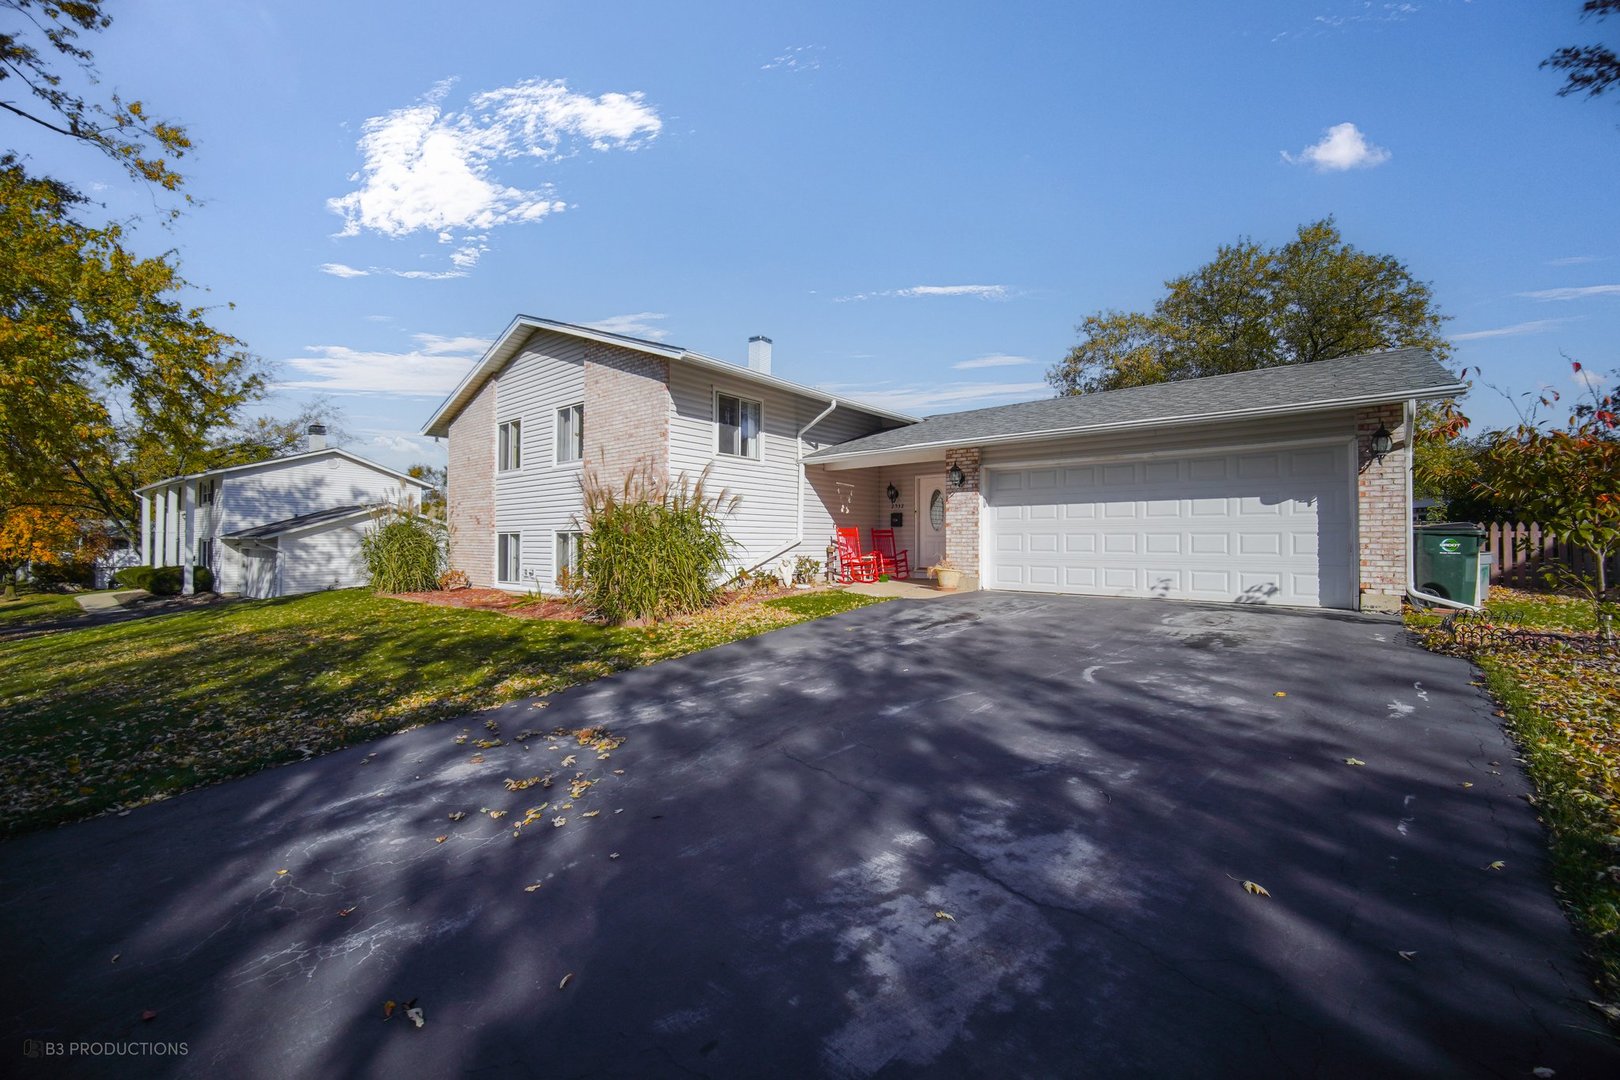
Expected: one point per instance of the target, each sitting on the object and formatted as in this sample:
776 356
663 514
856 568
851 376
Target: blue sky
918 202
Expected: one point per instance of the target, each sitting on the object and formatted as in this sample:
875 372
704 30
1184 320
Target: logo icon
33 1048
1451 547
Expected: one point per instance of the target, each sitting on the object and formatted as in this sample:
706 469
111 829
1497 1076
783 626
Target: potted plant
946 574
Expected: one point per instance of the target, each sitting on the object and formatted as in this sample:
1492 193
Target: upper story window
509 437
736 426
570 433
205 492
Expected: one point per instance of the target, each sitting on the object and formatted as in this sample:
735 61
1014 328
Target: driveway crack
870 794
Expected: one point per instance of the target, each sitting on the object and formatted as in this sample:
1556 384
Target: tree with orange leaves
35 535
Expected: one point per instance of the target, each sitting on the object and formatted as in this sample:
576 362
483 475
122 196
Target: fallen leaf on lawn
1354 761
458 815
440 839
345 913
944 916
149 1015
531 888
1406 954
1280 693
1497 865
1256 888
565 980
388 1009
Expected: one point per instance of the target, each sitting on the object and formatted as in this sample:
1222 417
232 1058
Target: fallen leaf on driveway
116 955
1467 783
1406 954
557 823
280 873
590 813
1541 1072
497 814
414 1014
1256 888
1354 761
615 855
944 916
531 888
440 839
569 760
1280 693
1611 1011
149 1015
345 913
1497 865
388 1009
565 980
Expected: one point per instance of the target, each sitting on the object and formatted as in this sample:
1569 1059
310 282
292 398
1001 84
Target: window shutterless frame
565 554
509 557
509 440
738 425
570 428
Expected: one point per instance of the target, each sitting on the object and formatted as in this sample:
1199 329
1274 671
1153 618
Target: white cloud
1535 326
1342 147
398 442
643 324
993 360
432 369
1579 293
426 168
340 270
796 58
942 397
1591 380
1574 260
981 292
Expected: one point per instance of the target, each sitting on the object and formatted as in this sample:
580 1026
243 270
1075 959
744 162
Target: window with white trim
737 424
567 556
509 436
570 433
509 557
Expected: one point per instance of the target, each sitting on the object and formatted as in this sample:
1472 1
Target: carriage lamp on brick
1382 442
955 476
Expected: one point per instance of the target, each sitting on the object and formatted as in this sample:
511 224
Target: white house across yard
273 528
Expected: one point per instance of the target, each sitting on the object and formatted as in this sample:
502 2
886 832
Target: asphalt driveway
992 834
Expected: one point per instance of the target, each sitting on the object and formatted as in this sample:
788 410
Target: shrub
806 570
650 549
454 579
163 580
404 552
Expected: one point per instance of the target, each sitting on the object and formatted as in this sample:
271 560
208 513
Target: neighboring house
1257 487
273 528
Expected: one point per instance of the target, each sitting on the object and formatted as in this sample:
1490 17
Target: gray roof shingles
302 521
1391 375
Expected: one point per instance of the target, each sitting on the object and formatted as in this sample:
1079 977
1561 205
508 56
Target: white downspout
798 444
1409 411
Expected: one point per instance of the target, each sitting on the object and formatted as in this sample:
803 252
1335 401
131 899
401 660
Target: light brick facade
470 477
627 411
962 515
1385 518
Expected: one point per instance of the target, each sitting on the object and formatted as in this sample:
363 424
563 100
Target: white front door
928 521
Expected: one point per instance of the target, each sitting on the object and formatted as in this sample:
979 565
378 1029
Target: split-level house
1286 485
279 527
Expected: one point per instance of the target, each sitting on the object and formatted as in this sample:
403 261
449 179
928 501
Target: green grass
38 607
1560 700
813 605
115 716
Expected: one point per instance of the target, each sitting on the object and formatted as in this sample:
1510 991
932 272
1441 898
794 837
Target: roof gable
290 459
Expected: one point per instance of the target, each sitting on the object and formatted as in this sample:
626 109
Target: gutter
1409 412
798 536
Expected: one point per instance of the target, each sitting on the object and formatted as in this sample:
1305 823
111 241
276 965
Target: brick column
962 514
627 410
1384 514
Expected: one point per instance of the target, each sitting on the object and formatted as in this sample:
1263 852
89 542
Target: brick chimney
759 354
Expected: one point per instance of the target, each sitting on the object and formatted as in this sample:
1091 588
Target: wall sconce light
955 475
894 495
1382 442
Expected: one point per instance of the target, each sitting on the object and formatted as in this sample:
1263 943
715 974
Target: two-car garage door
1265 526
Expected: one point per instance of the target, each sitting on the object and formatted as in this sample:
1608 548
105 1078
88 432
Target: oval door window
936 509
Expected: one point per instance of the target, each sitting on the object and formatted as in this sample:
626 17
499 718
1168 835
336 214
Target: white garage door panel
1254 527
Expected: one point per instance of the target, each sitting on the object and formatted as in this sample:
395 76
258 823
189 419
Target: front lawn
1559 691
38 607
115 716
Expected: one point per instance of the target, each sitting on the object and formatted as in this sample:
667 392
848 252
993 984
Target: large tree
1313 298
1588 69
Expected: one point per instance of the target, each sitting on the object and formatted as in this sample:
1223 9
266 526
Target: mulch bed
496 600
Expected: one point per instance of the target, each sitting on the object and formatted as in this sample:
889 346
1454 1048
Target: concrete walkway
918 588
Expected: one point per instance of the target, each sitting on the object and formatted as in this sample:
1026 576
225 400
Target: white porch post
188 538
160 525
146 529
171 531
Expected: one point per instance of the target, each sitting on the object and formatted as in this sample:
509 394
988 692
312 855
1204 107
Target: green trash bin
1449 558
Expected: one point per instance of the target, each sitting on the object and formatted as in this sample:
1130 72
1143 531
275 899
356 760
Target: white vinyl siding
547 377
322 559
570 439
509 439
737 425
509 558
766 519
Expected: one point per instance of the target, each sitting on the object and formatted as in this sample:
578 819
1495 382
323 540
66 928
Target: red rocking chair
852 565
889 561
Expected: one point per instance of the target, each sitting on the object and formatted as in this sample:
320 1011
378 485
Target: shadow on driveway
990 835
